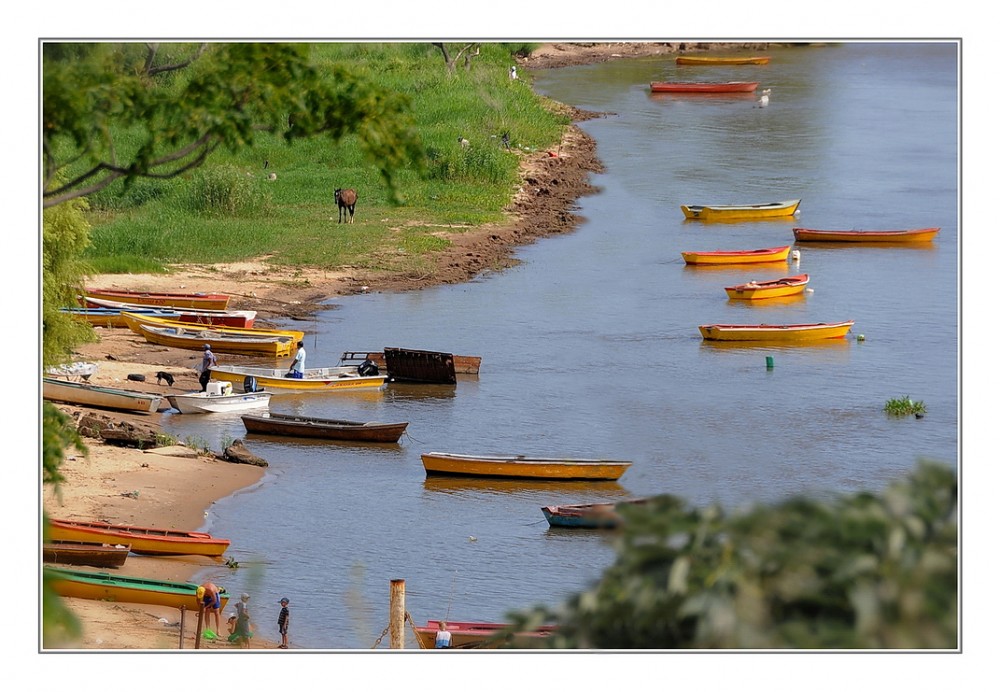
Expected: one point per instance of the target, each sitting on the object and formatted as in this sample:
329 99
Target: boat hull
193 338
207 301
438 463
142 540
243 319
315 380
788 333
203 402
740 212
464 365
101 586
477 635
703 87
100 397
88 554
323 428
722 60
777 288
916 235
722 257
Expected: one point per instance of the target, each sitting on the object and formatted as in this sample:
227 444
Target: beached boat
740 212
478 635
85 394
222 318
143 540
775 288
136 321
323 428
207 301
89 554
775 332
598 515
914 235
723 59
703 87
767 254
112 317
102 586
315 379
219 397
520 466
195 337
463 365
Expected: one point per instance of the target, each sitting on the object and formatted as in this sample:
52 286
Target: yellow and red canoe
101 586
703 87
723 59
775 288
520 466
142 539
767 254
740 212
207 301
788 333
913 235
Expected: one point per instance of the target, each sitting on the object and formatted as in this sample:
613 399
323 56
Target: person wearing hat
207 363
284 617
242 632
210 602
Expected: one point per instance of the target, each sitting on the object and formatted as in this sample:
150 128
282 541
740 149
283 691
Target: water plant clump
905 406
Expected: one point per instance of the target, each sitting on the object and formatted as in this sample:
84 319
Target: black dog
165 377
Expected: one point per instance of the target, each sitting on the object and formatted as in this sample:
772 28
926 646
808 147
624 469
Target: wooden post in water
397 613
181 643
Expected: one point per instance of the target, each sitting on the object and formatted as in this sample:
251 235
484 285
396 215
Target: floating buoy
769 360
796 255
861 337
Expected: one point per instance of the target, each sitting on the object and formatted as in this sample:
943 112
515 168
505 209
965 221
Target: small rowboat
222 318
315 379
775 332
740 212
143 540
207 301
216 399
112 317
194 338
767 254
323 428
916 235
600 515
723 60
84 394
703 87
79 553
776 288
135 322
101 586
477 635
563 469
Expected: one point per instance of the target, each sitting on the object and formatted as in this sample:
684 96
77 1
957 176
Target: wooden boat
915 235
703 87
599 515
775 332
520 466
195 337
207 301
80 553
477 635
767 254
101 586
323 428
740 212
464 365
143 540
112 317
775 288
221 318
219 397
723 59
315 379
136 321
84 394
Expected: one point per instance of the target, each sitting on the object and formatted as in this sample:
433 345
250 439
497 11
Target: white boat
315 379
219 397
83 394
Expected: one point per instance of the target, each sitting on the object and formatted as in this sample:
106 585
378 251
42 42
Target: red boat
203 301
915 235
703 87
476 635
222 318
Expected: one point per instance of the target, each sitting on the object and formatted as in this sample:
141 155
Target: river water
591 348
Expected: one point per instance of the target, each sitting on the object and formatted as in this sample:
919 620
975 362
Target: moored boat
464 365
315 379
208 301
89 554
740 212
143 540
323 428
478 635
102 586
84 394
219 397
723 59
598 515
194 338
520 466
775 288
913 235
767 254
222 318
112 317
135 322
791 333
702 87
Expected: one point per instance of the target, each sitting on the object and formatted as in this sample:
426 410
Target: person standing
210 602
207 363
243 630
442 640
284 619
298 369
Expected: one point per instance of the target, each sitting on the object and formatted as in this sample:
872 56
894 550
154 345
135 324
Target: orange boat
477 635
915 235
786 333
723 60
776 288
205 301
703 87
142 540
767 254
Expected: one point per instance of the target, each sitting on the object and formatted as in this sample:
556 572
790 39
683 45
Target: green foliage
227 192
860 572
904 406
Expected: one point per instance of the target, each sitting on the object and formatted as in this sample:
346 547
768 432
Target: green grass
904 406
228 210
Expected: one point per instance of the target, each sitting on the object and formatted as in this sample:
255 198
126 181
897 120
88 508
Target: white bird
513 71
463 141
765 97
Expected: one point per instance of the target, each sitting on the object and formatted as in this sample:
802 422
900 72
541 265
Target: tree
469 51
860 572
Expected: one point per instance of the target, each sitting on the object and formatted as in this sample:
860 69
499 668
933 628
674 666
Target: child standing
284 617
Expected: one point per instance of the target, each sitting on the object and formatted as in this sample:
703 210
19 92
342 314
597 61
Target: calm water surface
591 348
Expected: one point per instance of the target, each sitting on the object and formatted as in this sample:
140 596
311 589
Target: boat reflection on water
549 488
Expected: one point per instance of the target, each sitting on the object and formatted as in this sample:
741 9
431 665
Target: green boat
102 586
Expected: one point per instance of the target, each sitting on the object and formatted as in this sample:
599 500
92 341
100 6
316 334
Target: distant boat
599 515
84 394
208 301
702 87
723 60
775 288
767 254
219 397
477 635
316 379
775 332
323 428
520 466
915 235
740 212
89 554
143 540
101 586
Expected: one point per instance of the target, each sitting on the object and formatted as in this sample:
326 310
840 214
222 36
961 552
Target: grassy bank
233 208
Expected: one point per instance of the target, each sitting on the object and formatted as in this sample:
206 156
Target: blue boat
600 515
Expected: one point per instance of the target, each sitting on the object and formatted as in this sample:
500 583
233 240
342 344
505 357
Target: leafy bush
228 191
904 406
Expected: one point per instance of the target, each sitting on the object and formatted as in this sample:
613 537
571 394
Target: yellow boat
101 586
740 212
776 288
144 540
315 379
133 320
767 254
195 338
723 60
520 466
788 333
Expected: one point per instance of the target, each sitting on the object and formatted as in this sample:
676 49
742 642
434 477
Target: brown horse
346 199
